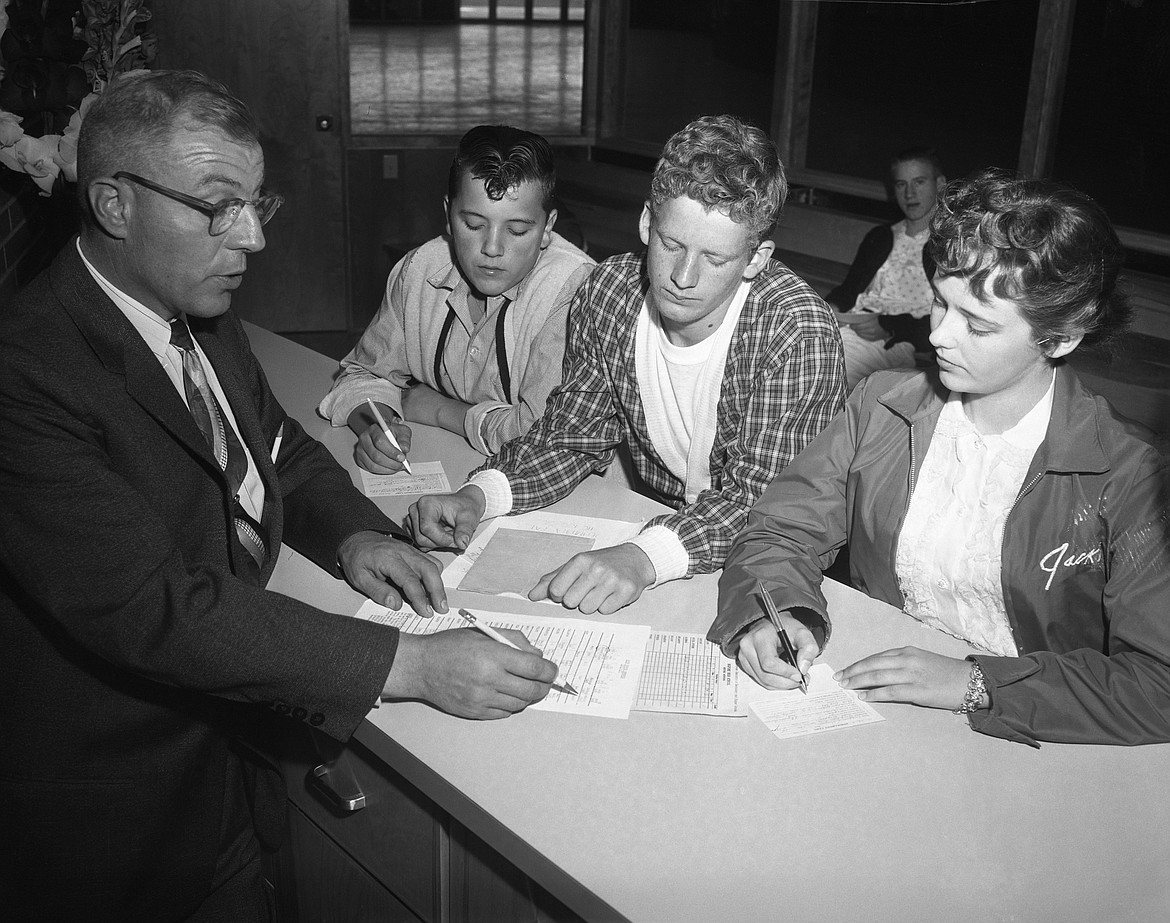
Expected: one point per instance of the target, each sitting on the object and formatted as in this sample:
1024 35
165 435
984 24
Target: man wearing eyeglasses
147 480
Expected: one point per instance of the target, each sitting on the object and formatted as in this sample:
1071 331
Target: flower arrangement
54 60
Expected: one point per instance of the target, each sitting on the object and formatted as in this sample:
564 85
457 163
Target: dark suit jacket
134 651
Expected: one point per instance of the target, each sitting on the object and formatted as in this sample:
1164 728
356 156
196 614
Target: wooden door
288 60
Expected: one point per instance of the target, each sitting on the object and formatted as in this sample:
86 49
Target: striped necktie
221 439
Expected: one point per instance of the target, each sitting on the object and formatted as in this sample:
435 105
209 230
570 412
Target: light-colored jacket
399 345
1086 555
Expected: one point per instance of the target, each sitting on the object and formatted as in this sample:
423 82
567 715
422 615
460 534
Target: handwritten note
601 660
827 706
509 555
428 478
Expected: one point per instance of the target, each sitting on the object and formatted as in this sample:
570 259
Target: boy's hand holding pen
388 433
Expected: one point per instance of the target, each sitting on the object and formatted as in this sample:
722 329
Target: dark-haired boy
471 332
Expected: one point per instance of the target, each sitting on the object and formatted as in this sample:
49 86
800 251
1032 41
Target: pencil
496 636
389 434
789 650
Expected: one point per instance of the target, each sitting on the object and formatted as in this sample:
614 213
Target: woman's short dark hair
1044 246
727 164
503 157
131 124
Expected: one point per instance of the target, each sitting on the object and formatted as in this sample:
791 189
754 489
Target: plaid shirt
784 380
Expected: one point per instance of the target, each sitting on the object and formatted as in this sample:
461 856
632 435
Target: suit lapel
123 352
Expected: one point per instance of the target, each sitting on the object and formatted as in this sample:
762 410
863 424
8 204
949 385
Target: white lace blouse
949 551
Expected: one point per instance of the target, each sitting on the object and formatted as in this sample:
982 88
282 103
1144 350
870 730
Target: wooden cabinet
317 880
397 857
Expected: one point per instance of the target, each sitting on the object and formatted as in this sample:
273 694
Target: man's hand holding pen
468 674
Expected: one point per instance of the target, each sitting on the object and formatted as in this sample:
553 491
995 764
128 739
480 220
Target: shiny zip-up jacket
1085 556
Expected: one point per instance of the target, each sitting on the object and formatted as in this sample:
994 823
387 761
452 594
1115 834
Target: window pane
891 76
688 58
1114 137
445 77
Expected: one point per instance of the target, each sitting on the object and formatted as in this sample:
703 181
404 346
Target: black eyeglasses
222 214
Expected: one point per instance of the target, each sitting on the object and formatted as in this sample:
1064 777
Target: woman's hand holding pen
909 674
761 654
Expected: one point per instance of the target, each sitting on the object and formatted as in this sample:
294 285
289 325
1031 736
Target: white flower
10 130
67 150
36 157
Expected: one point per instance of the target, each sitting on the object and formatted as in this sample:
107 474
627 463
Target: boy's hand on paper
909 674
375 453
598 581
446 520
761 655
387 570
467 674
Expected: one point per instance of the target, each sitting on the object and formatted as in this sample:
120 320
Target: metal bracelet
976 689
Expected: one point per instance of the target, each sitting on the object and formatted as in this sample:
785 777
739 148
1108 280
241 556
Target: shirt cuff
497 492
666 552
345 396
473 422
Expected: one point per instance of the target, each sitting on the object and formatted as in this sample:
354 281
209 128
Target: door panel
287 59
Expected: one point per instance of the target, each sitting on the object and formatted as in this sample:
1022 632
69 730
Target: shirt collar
1027 434
152 328
450 278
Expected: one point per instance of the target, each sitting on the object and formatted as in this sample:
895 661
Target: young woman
993 498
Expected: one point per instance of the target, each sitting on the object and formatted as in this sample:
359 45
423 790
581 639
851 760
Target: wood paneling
604 90
792 98
1046 86
287 60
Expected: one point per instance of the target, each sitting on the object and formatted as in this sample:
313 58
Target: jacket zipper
913 475
1023 490
1007 606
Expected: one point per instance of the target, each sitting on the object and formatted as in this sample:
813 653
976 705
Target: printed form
601 660
686 673
511 553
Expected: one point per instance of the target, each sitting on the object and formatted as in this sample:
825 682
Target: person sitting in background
713 365
884 302
993 498
471 333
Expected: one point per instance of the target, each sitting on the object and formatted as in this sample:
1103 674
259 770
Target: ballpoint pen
389 434
789 650
496 636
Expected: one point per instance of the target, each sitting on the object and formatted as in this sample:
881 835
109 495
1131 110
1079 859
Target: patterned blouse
949 551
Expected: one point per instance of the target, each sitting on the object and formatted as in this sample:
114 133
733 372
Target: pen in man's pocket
389 434
789 650
496 636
